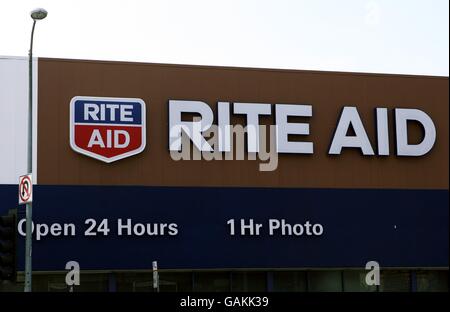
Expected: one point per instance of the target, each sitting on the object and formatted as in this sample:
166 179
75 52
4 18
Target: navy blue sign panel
397 228
92 110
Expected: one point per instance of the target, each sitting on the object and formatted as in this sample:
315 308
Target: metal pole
29 206
155 276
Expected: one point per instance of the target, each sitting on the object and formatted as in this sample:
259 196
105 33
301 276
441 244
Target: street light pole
36 15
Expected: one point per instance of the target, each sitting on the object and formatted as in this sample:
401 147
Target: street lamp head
38 14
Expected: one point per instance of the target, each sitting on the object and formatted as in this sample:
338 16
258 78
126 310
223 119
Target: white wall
14 118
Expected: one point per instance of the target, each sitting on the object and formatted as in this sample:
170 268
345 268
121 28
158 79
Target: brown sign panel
328 92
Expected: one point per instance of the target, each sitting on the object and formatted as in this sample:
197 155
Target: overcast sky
388 36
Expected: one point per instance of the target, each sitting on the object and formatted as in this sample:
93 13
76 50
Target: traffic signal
8 229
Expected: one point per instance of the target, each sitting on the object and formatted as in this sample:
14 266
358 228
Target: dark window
392 281
175 281
432 280
134 282
355 281
289 281
89 282
248 281
211 281
325 281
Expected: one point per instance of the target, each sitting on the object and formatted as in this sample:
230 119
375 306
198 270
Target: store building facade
232 179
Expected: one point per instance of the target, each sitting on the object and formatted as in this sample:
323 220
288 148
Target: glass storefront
347 280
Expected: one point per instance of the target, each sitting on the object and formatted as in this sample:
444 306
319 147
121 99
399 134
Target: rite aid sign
107 129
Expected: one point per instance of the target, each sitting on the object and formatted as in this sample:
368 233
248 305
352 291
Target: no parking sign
25 189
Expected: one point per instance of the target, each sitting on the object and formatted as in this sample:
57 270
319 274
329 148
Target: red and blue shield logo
107 129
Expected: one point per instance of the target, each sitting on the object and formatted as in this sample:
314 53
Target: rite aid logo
107 129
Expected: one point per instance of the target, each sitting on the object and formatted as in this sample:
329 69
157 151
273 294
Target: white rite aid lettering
382 131
284 128
114 138
125 135
96 139
193 129
350 117
91 112
252 110
402 116
223 109
112 108
126 113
